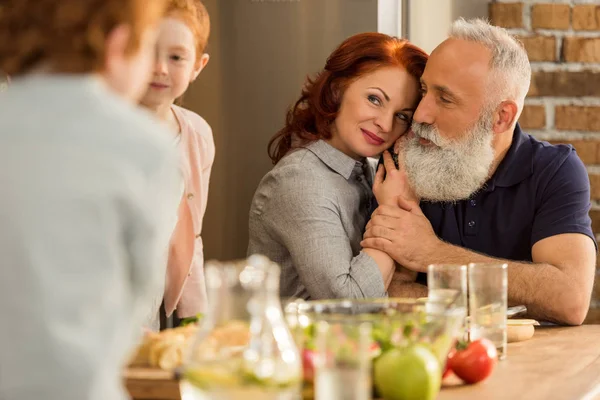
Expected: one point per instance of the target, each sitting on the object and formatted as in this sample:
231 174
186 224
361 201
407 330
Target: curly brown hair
194 14
310 118
68 34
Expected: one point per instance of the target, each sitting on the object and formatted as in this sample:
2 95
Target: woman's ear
200 64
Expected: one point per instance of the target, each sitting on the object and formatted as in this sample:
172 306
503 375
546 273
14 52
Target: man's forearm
547 292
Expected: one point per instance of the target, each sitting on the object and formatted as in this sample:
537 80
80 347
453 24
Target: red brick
506 15
595 216
577 49
577 118
587 150
540 48
595 186
533 117
596 289
564 83
593 316
550 16
586 17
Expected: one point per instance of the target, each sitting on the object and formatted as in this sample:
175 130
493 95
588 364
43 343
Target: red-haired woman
310 211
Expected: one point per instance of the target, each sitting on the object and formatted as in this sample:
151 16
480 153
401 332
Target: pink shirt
185 288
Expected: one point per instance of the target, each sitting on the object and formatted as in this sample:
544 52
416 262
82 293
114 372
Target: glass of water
488 303
446 282
343 362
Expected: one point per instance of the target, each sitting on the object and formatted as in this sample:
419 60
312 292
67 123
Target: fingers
379 232
379 176
385 221
377 244
388 161
389 211
409 206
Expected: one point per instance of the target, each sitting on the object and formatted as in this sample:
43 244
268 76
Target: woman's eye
374 99
403 117
176 58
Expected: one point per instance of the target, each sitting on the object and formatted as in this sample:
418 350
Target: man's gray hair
511 71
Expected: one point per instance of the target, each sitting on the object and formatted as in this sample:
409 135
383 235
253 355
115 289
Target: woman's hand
395 184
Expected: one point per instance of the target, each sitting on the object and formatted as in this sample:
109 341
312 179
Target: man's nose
425 112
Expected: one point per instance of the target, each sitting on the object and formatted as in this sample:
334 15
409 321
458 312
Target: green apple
411 373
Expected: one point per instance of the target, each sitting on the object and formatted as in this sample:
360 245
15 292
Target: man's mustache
426 131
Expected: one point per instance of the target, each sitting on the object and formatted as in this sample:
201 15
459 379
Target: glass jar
244 348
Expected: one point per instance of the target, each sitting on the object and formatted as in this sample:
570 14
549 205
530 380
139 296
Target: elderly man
489 191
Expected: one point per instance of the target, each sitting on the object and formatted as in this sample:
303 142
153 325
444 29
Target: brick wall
562 38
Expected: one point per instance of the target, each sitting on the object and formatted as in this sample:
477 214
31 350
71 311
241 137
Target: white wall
430 20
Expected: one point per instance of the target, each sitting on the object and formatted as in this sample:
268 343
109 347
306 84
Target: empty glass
488 303
448 282
343 361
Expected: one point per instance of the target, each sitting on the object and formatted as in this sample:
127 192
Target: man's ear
505 115
199 66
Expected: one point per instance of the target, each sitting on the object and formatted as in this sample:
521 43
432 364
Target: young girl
180 58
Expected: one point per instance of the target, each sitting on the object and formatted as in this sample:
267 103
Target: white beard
451 170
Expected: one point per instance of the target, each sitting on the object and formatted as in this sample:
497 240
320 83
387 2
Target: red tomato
375 350
308 364
447 369
476 362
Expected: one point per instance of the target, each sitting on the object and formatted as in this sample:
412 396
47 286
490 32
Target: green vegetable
191 320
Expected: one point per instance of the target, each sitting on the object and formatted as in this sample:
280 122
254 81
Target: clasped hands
398 226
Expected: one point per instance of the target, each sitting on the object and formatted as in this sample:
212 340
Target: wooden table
151 384
560 363
557 363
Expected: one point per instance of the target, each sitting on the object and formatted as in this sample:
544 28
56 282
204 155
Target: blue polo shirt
539 190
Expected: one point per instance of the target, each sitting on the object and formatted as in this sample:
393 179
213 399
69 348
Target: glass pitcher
244 348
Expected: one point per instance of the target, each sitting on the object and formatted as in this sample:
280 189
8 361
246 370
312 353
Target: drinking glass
488 303
343 362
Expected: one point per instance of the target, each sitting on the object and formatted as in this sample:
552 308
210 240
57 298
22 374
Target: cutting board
151 384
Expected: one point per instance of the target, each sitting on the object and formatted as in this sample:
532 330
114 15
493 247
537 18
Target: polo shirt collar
517 164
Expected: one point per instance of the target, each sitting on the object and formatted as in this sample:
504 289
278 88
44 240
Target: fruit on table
475 362
411 373
447 369
308 364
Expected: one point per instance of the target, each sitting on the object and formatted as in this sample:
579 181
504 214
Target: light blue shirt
89 184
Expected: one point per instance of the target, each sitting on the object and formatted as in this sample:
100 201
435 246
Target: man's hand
395 184
403 232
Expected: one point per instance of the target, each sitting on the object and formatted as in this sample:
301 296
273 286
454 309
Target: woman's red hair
312 115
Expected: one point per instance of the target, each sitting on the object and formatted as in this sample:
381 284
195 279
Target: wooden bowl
518 330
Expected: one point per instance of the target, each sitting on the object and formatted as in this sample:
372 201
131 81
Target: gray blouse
308 215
